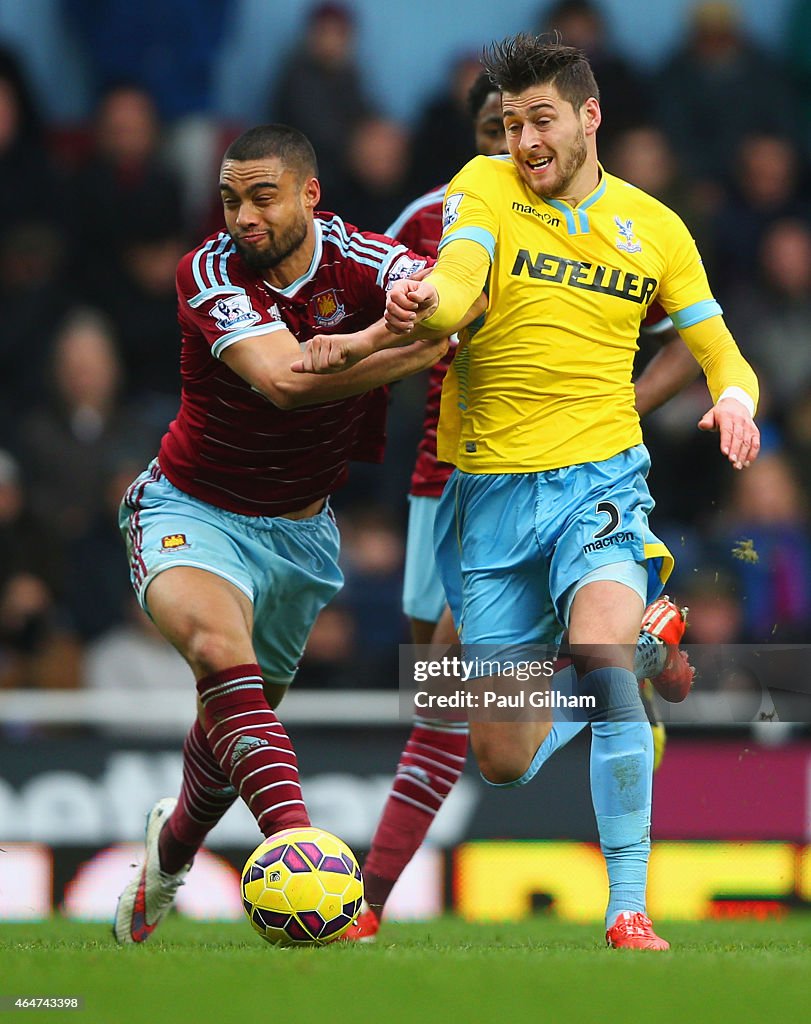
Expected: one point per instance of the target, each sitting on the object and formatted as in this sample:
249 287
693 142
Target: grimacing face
546 137
266 209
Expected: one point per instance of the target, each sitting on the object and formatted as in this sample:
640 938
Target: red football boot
364 928
633 930
666 622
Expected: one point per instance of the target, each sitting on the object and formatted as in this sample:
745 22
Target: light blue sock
563 730
621 785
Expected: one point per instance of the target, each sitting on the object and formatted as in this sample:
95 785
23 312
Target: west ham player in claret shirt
232 545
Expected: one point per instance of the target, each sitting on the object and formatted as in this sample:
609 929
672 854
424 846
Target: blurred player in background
434 756
538 417
233 548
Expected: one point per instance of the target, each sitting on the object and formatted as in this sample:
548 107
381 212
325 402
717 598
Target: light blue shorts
423 596
513 548
287 568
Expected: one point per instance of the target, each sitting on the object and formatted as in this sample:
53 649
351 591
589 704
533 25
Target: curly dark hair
280 140
479 91
522 61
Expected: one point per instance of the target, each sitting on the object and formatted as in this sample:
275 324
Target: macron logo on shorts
605 536
623 537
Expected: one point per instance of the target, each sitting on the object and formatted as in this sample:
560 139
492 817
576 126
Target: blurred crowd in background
95 215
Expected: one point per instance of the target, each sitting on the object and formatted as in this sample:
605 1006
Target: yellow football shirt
545 380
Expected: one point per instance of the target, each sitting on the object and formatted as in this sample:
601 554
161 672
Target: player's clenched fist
333 353
408 302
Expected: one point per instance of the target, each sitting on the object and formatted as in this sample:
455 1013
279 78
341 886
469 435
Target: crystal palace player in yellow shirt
544 523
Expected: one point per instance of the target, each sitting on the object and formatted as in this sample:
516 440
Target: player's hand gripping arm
439 302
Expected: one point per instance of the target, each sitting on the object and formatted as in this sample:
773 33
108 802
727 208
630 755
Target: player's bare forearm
382 367
669 372
264 362
336 353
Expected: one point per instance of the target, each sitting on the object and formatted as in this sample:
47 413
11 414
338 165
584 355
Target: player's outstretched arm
458 277
334 353
264 361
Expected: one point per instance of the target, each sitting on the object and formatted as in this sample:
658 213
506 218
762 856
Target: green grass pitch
448 971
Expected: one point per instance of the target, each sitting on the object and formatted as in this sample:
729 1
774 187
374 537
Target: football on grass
302 887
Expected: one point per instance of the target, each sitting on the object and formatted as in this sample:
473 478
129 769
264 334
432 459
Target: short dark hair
479 91
289 145
521 61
